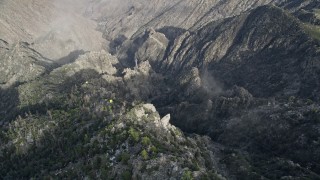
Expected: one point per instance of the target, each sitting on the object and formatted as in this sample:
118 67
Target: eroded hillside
54 28
184 90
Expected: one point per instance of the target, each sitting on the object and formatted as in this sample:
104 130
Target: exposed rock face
153 48
165 120
101 62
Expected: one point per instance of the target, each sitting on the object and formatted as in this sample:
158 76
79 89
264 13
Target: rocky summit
179 89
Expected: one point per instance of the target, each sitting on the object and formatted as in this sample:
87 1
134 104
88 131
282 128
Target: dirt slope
54 28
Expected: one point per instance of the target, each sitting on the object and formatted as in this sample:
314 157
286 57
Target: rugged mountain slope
54 28
120 149
274 59
131 18
19 63
246 75
265 50
103 139
306 11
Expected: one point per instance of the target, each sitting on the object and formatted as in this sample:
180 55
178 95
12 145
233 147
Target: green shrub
187 175
312 30
144 154
309 101
126 175
97 162
125 157
134 134
146 141
104 173
292 99
154 150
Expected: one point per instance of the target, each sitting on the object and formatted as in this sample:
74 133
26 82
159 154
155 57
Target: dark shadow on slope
275 63
4 45
68 143
9 104
77 120
126 52
268 132
9 97
9 100
116 43
78 117
171 32
71 57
